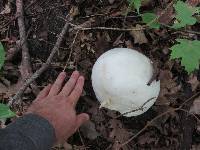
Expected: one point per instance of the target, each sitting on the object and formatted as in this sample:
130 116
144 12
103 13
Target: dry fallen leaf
139 36
3 89
168 87
118 134
74 11
195 147
193 2
194 82
111 1
167 17
147 138
6 10
118 41
195 108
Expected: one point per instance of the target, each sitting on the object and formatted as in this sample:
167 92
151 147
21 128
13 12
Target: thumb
81 119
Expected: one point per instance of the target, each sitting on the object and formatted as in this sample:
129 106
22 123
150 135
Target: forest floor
83 43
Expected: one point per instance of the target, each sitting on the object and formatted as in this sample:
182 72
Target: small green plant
184 15
2 55
5 112
151 20
189 53
136 4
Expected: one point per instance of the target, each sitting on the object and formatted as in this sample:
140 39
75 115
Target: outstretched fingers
44 92
76 93
57 86
69 86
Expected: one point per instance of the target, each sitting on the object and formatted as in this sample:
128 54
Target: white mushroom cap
119 80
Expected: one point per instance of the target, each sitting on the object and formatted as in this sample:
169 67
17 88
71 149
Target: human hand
56 103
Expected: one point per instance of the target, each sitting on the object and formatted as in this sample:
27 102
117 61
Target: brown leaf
195 108
147 138
195 147
74 11
6 10
118 41
139 36
167 17
3 88
194 82
168 87
118 134
111 1
129 44
102 43
193 2
8 91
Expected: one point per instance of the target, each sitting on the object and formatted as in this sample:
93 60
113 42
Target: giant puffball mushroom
119 79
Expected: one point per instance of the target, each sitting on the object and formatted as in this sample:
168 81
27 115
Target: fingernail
75 73
63 73
81 78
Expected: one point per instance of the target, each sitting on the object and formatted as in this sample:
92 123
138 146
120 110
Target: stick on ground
25 67
15 99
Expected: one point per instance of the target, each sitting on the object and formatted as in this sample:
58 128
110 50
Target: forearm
30 132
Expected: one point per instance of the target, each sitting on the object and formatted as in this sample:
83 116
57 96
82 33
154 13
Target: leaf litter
44 21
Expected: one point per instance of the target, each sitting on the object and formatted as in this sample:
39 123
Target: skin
57 103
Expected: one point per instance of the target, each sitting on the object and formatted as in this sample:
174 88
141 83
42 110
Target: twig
140 108
77 27
29 5
72 47
84 147
9 22
192 114
161 14
127 11
12 100
192 32
159 116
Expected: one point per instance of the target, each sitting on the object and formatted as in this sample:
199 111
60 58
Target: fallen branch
25 67
72 48
159 116
139 108
77 27
44 66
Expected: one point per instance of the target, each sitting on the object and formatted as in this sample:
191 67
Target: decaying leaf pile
97 26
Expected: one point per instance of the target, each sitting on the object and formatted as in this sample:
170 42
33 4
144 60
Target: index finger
77 91
56 87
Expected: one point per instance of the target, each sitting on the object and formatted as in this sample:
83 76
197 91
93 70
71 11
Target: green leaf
2 55
189 53
136 4
197 10
150 20
5 112
184 15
